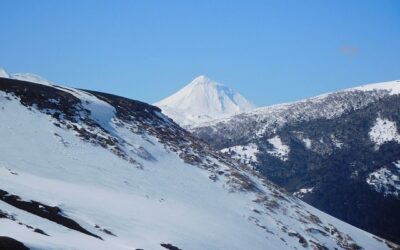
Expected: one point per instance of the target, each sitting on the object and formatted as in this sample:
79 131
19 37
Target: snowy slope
203 100
392 86
129 178
319 148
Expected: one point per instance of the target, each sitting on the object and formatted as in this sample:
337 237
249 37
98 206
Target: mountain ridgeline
339 152
88 170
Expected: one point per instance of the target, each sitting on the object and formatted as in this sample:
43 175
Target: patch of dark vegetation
316 231
170 246
11 172
258 224
104 230
390 244
243 181
318 246
5 215
344 240
302 240
42 96
48 212
353 246
314 219
269 203
36 230
40 231
7 243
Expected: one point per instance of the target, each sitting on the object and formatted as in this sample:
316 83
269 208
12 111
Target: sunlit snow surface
383 131
385 180
29 77
245 153
203 100
165 201
279 150
393 87
302 192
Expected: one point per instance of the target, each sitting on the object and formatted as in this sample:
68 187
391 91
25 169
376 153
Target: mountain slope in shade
88 170
338 151
203 100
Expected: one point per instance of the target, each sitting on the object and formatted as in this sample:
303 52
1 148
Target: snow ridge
267 120
28 77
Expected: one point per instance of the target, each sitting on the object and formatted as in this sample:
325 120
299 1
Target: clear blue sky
270 51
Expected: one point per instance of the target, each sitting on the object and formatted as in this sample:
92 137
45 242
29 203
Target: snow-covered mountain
203 100
88 170
338 151
4 73
30 77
